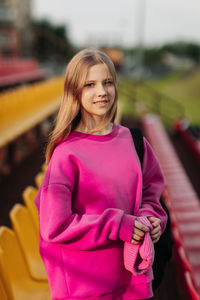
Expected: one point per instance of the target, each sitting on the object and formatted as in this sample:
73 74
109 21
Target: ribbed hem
130 255
139 258
126 228
139 291
133 292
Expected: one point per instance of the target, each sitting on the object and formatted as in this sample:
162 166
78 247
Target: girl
98 214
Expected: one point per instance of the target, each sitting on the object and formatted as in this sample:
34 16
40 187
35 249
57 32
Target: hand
138 232
156 232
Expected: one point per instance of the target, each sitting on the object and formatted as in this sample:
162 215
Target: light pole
140 38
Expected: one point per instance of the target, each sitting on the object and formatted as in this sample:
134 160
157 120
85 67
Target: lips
101 101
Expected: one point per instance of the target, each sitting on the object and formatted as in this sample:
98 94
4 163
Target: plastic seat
14 271
28 239
176 237
191 291
17 116
3 295
29 195
189 215
189 228
44 167
191 241
194 258
180 265
39 178
185 205
185 264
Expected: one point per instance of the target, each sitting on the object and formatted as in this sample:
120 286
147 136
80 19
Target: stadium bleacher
183 204
19 70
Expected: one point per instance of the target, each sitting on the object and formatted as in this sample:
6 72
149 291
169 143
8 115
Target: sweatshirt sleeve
58 222
153 184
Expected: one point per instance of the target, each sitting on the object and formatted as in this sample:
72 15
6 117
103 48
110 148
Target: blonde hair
69 114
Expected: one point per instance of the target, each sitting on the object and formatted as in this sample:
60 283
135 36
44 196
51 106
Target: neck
93 126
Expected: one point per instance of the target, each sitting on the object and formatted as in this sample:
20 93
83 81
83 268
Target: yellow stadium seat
39 178
3 295
44 167
14 272
23 108
29 195
28 240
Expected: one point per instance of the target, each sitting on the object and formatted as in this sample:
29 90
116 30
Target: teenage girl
99 212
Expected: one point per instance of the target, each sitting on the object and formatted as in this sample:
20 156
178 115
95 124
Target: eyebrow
108 78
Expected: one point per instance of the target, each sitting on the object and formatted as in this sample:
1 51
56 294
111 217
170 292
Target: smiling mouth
101 101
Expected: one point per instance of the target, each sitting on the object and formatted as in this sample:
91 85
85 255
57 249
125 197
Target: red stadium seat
190 290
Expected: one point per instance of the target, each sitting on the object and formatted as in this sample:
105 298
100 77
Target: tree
51 41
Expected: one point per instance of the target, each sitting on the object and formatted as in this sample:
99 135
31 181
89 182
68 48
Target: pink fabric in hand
139 258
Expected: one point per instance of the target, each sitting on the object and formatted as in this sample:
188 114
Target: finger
156 240
156 230
154 221
134 242
153 218
138 232
140 226
136 237
155 236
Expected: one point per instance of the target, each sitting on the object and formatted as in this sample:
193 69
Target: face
98 93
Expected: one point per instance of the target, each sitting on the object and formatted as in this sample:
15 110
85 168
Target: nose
101 90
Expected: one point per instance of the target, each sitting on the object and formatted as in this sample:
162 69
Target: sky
124 22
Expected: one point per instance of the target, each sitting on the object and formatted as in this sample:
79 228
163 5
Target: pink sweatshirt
92 193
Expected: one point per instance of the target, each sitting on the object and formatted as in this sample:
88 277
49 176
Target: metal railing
153 101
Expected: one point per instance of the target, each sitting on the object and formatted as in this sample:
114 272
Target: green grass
185 90
178 85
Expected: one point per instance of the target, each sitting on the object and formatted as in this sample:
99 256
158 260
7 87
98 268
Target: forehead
98 72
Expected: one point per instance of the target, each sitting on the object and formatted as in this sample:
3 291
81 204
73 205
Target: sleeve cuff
126 228
154 214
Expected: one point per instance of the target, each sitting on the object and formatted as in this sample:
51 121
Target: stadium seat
3 295
176 238
44 167
189 228
190 215
183 203
28 240
14 272
191 241
29 195
24 108
191 292
39 178
186 266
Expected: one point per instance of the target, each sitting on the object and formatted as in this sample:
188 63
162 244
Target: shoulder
148 148
65 148
63 157
123 130
62 166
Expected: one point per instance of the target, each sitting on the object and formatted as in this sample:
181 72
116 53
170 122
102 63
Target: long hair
69 114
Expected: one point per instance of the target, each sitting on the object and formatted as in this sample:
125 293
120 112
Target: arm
58 222
151 208
153 184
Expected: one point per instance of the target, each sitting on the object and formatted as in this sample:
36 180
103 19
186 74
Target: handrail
155 102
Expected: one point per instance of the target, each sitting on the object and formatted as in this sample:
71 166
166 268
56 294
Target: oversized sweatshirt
92 193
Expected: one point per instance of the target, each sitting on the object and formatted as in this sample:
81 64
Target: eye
109 82
90 84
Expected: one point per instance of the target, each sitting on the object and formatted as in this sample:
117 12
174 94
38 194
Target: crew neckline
97 137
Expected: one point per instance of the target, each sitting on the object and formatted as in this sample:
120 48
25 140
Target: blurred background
155 46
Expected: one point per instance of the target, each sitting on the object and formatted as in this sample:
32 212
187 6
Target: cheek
112 92
85 98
